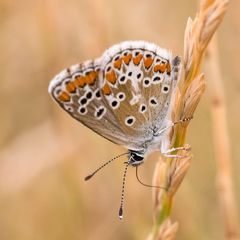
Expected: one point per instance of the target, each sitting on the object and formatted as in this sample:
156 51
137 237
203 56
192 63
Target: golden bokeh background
45 155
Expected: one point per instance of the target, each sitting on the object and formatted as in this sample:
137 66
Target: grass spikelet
172 171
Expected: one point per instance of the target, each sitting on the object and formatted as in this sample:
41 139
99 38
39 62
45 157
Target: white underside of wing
113 131
107 55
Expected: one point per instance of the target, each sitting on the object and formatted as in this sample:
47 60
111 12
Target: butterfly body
125 96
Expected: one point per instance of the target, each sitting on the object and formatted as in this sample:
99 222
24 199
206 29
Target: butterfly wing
142 80
124 95
76 90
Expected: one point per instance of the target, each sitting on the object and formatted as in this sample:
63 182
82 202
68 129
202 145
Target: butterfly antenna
147 185
120 213
106 163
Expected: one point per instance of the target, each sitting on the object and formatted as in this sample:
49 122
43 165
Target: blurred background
45 154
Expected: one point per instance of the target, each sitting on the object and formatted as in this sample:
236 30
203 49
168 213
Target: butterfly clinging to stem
126 96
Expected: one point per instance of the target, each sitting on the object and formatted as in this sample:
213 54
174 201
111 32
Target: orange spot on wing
111 77
91 78
127 58
64 97
118 63
148 62
79 81
70 87
160 67
137 59
168 68
106 89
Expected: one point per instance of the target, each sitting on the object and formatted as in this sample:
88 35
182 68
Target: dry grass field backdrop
45 154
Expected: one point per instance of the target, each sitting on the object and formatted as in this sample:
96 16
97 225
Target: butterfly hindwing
142 80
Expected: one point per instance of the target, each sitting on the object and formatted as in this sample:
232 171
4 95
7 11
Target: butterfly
126 96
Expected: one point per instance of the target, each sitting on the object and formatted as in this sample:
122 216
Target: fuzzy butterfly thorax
125 95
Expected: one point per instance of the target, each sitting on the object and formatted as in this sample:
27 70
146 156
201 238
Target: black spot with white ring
116 58
146 82
156 79
83 101
129 121
82 110
89 95
153 102
68 108
115 104
108 68
136 53
149 55
122 79
100 112
98 94
165 88
97 69
130 74
139 75
57 91
143 108
121 96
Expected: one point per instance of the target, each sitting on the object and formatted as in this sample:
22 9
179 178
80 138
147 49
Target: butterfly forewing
76 90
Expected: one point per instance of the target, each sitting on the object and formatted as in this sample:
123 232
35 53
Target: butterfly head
135 157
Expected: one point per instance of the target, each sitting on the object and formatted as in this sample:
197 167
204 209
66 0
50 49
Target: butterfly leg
171 124
169 151
166 151
183 120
